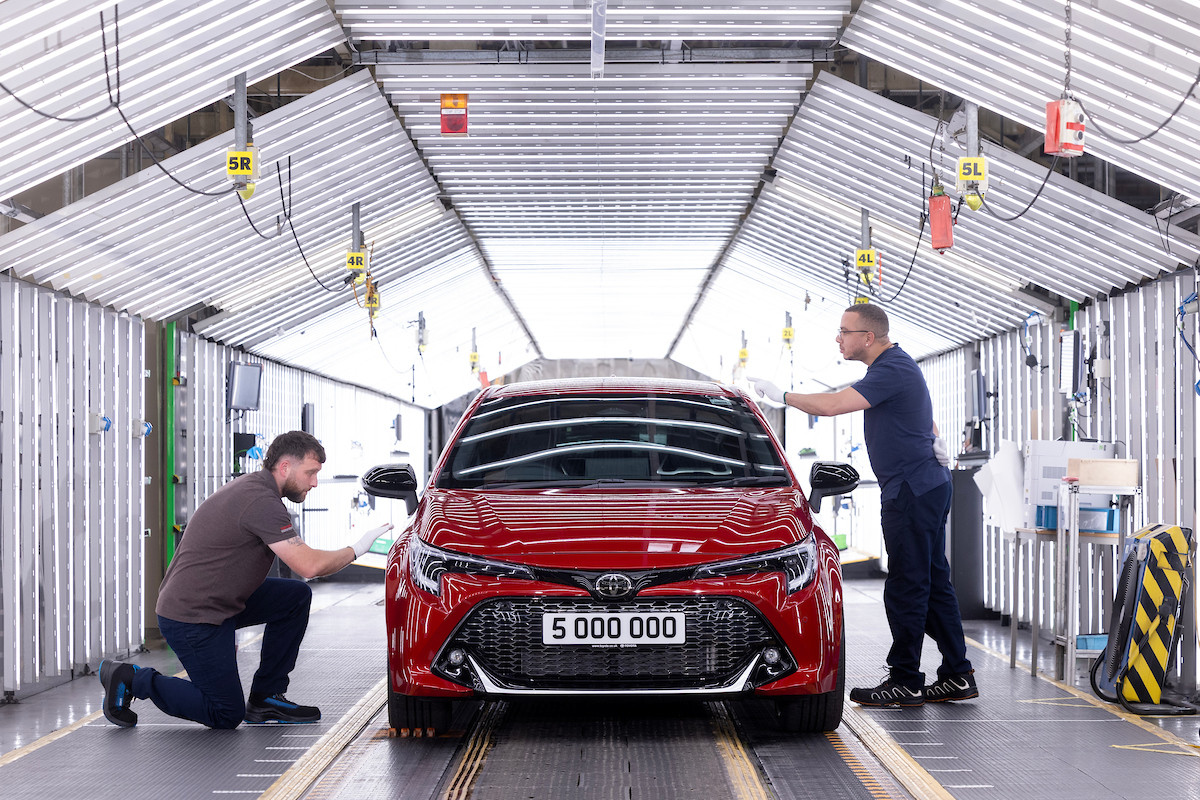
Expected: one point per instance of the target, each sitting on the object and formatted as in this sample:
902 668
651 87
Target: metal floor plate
1025 737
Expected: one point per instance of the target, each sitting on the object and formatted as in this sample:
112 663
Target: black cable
287 210
912 261
1164 237
988 208
920 233
246 211
1163 124
112 103
164 169
285 203
301 249
322 80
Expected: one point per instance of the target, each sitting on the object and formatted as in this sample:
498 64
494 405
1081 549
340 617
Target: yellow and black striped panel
1167 555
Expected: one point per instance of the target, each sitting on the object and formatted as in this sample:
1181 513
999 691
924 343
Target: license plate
620 627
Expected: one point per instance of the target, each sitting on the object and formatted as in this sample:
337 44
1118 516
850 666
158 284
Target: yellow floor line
869 781
476 750
904 768
21 752
744 774
1113 708
300 776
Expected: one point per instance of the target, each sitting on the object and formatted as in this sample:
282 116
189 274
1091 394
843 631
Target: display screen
243 388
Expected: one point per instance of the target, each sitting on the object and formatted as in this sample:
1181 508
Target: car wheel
815 713
419 713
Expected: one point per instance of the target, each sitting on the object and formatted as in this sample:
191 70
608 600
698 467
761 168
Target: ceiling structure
683 197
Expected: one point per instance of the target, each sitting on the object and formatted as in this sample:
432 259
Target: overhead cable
114 99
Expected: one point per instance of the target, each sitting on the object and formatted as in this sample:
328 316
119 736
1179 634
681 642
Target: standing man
910 462
218 583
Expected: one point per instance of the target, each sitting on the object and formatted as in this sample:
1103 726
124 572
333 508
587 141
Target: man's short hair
295 445
873 318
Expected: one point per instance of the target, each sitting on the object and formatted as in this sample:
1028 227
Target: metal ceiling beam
613 55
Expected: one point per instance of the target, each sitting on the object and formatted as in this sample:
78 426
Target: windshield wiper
550 483
750 480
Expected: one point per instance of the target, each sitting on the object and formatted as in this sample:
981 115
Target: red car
614 537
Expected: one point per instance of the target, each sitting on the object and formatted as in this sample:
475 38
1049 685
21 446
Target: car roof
612 385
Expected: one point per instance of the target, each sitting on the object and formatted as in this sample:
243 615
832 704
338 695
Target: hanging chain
1067 54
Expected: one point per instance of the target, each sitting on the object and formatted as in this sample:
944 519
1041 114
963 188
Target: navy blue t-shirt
899 425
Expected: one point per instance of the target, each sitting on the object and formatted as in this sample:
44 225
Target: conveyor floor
1025 737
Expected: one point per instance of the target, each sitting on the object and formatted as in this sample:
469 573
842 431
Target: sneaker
277 708
117 679
888 694
952 687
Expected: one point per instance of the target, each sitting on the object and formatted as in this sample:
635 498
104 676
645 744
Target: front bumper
495 625
498 648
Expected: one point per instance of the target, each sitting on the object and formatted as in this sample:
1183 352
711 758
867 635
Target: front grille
505 636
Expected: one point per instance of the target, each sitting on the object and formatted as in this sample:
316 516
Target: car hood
652 528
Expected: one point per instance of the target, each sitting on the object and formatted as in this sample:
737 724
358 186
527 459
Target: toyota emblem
614 585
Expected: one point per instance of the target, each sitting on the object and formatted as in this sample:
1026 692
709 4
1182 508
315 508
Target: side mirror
395 481
829 479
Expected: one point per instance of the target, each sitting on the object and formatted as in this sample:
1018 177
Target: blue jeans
212 694
917 595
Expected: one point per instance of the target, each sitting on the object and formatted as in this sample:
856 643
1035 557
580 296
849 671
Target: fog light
456 657
770 656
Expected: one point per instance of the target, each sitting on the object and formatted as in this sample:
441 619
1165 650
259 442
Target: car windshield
580 440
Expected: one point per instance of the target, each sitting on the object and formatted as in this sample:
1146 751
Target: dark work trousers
212 694
917 594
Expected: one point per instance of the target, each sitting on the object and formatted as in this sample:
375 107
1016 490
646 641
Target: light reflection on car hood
659 528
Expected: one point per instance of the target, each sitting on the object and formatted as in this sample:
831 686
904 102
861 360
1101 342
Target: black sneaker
277 708
888 694
952 687
117 679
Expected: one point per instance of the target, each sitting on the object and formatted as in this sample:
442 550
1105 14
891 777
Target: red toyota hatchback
613 537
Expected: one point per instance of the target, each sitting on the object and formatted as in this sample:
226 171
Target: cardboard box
1103 471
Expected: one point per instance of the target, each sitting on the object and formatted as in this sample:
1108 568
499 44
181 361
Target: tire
815 713
419 713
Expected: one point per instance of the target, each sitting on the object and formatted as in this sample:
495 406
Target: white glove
368 539
941 452
768 390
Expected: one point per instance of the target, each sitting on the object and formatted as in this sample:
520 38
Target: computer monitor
243 386
1071 376
977 402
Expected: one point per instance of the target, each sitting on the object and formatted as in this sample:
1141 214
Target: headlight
798 563
427 565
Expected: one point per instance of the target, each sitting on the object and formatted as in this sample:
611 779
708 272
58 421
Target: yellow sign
356 260
865 259
972 169
861 301
240 164
743 354
789 334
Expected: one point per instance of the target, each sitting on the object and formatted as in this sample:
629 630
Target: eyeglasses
841 334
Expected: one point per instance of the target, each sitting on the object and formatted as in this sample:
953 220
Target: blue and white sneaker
278 709
117 679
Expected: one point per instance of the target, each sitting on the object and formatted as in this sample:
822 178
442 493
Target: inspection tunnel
608 399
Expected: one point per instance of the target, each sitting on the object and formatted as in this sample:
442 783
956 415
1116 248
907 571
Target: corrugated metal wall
73 455
1141 395
72 462
356 426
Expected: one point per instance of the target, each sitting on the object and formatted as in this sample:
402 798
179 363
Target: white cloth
1002 481
941 451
